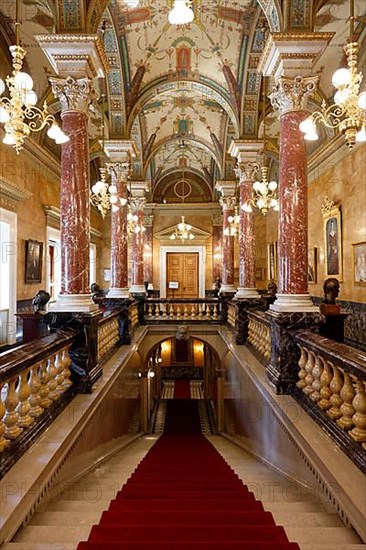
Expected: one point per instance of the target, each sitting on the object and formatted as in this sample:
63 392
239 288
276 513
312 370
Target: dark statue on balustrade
39 302
272 288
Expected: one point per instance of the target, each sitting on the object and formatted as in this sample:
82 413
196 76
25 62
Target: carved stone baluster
268 344
200 311
193 311
347 394
317 372
3 442
45 390
309 378
335 400
35 397
215 311
358 433
12 430
24 405
52 383
325 380
250 331
67 362
60 373
302 372
179 313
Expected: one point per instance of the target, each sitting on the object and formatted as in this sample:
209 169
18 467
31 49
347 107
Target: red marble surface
293 201
148 254
246 239
138 253
216 246
119 240
75 205
227 250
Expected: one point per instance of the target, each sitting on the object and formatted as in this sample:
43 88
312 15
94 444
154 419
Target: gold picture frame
272 260
359 263
333 242
312 265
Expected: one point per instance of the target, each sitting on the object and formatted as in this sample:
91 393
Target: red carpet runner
183 495
182 389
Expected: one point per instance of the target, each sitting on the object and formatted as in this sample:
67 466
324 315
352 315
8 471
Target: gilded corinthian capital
291 94
246 171
74 94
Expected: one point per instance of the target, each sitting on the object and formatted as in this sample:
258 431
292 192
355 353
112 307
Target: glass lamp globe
341 96
135 218
342 77
361 101
307 125
4 115
123 201
191 236
311 136
9 139
23 81
29 97
113 199
172 237
361 134
112 189
260 203
2 86
115 208
272 186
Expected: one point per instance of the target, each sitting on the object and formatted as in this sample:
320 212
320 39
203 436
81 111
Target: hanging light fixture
18 112
183 229
265 192
232 229
133 221
348 112
181 13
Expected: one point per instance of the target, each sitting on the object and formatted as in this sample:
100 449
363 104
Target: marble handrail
332 376
259 335
177 310
32 377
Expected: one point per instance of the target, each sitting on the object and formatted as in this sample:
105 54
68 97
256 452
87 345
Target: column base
288 303
118 293
138 289
227 288
79 303
242 293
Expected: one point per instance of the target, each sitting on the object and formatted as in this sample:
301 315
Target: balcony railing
183 310
331 387
33 380
259 335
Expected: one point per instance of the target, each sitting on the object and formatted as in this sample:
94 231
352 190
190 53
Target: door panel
183 268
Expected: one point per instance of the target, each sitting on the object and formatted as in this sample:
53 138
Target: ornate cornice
12 191
291 94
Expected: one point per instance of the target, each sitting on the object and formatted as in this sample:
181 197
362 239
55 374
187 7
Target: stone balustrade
259 335
133 316
181 310
33 379
332 384
231 315
108 334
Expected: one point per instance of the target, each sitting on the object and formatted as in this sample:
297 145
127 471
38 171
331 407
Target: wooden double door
182 268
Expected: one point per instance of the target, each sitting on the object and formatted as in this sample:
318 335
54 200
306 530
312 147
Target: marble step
40 546
330 546
76 517
74 506
306 519
295 507
331 536
47 534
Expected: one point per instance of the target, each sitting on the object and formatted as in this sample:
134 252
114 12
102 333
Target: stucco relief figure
332 247
331 290
182 332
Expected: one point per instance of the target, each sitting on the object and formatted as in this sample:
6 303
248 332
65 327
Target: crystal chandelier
133 221
182 231
232 229
348 112
18 112
265 196
104 196
181 14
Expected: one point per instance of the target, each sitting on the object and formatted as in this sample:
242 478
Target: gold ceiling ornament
183 229
348 112
18 110
264 191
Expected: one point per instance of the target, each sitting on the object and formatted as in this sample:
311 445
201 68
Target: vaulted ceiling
181 92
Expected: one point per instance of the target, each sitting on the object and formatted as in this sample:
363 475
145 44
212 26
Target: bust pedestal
33 325
333 327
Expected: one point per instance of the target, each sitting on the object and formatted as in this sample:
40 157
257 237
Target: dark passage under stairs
183 495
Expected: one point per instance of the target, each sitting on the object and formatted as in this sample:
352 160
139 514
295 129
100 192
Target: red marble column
227 283
290 97
246 173
148 254
138 286
119 238
75 205
216 252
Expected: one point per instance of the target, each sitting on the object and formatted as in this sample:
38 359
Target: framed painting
333 242
359 263
272 261
259 273
33 261
312 265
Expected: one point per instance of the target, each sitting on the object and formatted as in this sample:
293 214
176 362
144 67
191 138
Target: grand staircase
184 496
